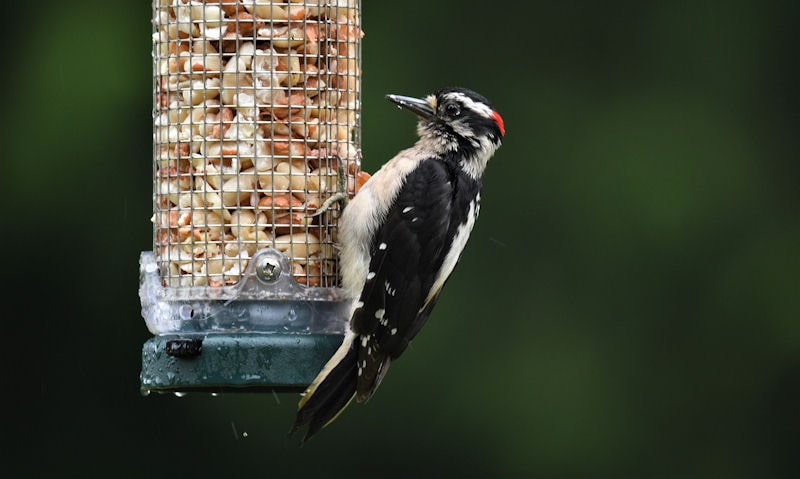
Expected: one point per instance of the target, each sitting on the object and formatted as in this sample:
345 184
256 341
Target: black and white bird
400 238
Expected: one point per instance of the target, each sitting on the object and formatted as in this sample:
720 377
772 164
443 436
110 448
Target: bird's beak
417 106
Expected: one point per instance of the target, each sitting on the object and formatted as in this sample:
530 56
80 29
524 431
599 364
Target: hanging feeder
256 123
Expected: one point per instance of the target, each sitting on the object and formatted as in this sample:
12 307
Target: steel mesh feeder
256 112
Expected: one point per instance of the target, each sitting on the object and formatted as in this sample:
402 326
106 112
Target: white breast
365 213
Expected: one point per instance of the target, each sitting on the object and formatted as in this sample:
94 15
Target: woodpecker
400 238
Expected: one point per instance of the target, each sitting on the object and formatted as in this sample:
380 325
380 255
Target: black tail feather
331 395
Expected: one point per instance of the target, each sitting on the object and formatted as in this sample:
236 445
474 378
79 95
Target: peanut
255 109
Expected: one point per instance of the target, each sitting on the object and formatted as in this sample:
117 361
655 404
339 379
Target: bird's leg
341 190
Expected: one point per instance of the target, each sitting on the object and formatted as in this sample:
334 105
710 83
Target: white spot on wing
393 331
407 209
370 275
379 313
382 246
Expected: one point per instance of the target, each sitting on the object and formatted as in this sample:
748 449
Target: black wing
407 252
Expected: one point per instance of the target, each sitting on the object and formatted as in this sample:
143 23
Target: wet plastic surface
234 362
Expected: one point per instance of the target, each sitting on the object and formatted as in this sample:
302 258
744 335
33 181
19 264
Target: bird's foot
341 190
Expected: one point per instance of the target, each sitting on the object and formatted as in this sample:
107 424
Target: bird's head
456 120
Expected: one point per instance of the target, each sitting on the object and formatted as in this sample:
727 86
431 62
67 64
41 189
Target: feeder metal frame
256 121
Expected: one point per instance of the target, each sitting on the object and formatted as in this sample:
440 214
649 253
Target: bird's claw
326 205
341 191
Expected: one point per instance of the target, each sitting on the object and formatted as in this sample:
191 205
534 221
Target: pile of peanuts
255 118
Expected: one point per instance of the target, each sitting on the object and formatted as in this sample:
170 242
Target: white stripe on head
478 107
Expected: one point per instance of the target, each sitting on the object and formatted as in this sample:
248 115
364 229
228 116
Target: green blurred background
628 306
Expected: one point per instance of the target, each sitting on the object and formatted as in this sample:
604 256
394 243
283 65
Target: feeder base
247 362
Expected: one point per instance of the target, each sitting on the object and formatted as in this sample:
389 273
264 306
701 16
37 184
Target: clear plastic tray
266 300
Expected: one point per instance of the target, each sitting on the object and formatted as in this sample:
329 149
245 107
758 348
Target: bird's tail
330 392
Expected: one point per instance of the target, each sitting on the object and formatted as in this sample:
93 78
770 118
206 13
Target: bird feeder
256 124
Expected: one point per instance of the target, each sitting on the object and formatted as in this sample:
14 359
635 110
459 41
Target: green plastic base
249 362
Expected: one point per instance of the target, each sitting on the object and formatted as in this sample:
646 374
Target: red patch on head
499 120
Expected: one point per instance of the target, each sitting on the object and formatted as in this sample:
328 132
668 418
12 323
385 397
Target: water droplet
185 312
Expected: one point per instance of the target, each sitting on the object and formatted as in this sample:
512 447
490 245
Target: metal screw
268 269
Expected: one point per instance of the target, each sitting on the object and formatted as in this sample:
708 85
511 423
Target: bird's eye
452 109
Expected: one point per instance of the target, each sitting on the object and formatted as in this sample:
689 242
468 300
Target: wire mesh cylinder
256 113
